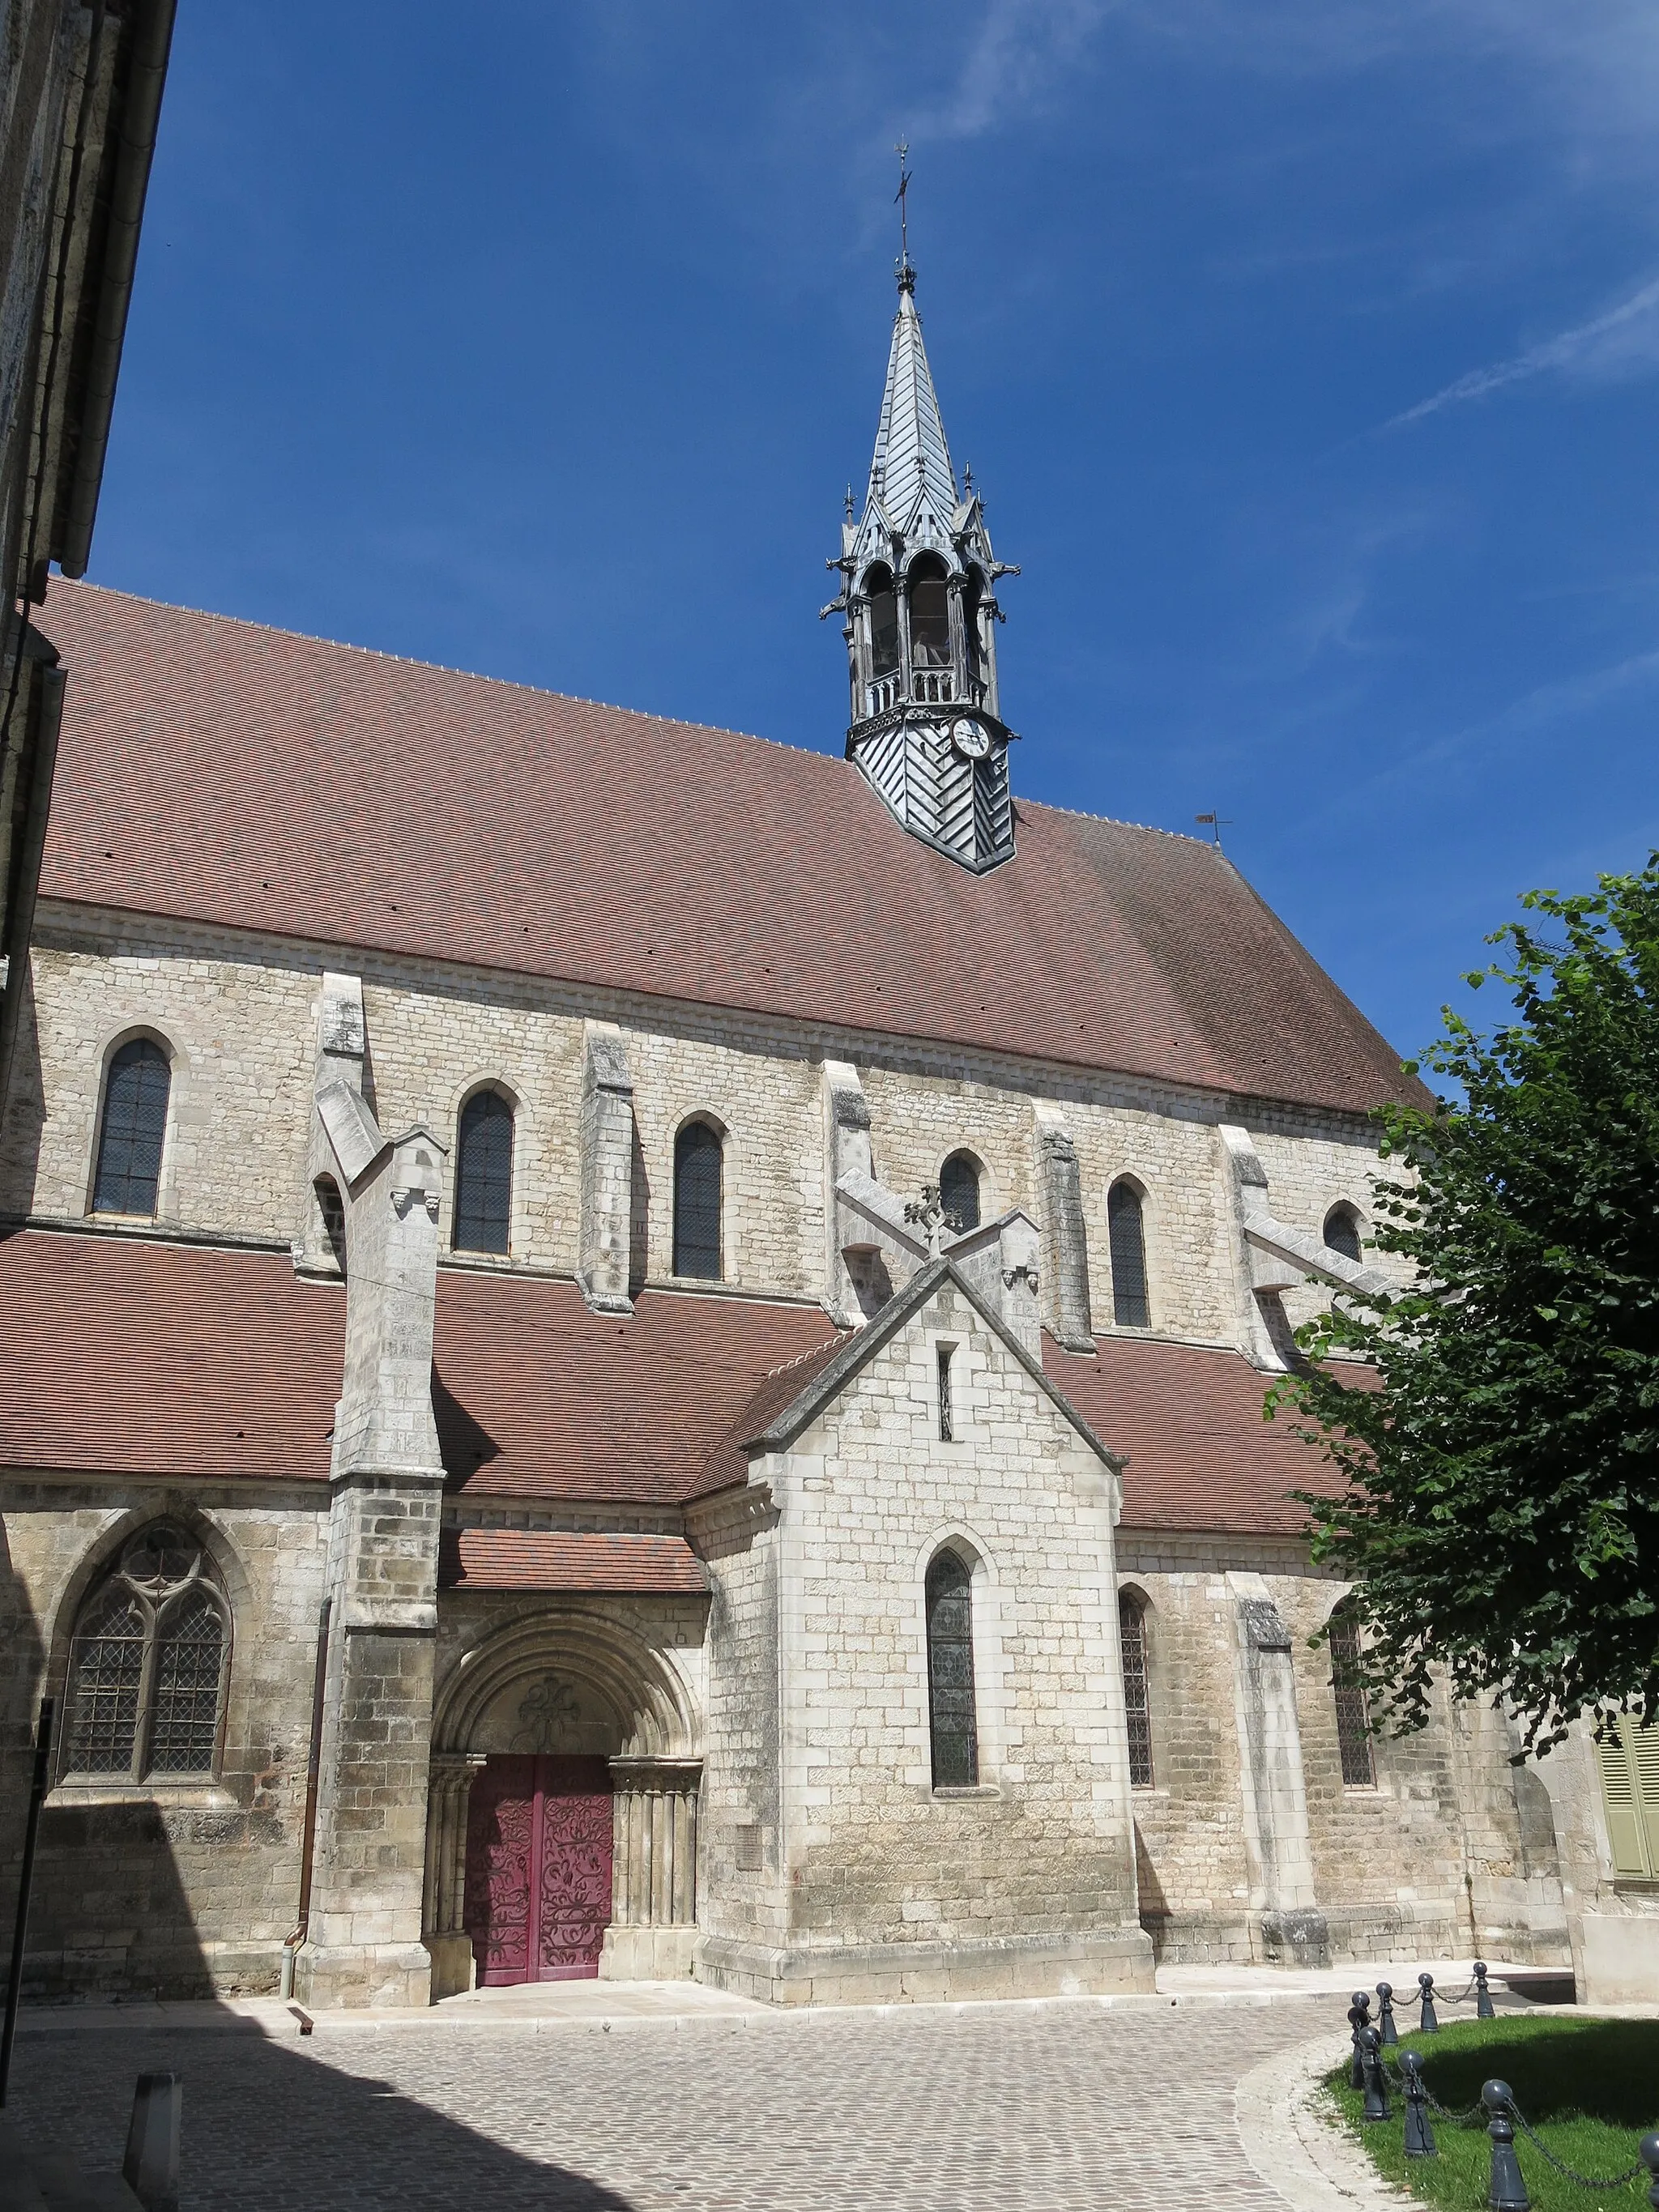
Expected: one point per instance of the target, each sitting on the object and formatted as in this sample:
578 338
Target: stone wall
188 1885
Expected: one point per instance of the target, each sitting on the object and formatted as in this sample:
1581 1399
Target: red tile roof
558 1559
119 1356
215 770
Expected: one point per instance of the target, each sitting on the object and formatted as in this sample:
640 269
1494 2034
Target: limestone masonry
632 1352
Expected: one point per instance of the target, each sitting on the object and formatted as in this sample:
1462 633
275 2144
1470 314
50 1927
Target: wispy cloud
1016 60
1625 338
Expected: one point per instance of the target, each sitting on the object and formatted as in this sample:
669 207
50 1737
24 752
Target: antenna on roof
907 274
1218 822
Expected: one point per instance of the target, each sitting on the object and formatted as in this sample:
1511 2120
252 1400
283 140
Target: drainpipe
308 1832
141 109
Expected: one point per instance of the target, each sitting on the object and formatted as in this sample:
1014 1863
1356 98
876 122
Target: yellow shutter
1644 1757
1627 1830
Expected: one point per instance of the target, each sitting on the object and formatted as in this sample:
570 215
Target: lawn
1590 2088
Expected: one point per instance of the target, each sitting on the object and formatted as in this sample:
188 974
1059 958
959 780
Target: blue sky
1304 351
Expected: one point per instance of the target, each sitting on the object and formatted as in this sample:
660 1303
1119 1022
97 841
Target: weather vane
902 149
1217 823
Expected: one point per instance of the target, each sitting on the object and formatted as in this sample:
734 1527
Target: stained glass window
1353 1724
147 1664
698 1201
135 1124
1342 1232
1136 1700
484 1174
950 1673
959 1190
1127 1235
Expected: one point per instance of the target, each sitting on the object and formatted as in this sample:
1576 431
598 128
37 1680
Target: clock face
972 739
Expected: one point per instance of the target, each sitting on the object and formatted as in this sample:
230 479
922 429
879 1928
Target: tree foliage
1498 1499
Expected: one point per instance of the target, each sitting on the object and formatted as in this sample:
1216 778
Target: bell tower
918 598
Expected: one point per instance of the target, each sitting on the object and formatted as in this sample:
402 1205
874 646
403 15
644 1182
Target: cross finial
907 274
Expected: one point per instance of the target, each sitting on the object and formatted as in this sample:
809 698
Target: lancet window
930 614
1126 1236
149 1664
134 1126
949 1596
697 1164
959 1190
1353 1723
1137 1688
1342 1232
484 1175
883 620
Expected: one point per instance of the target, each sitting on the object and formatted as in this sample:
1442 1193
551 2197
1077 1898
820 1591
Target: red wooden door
538 1868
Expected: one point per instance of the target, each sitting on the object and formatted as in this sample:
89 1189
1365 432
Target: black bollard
1377 2086
1430 2023
1359 2016
1385 2013
1648 2151
1506 2191
1483 2004
1419 2136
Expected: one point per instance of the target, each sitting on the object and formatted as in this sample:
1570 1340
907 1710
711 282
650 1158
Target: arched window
1137 1695
698 1201
930 614
1127 1237
135 1124
1353 1723
883 620
148 1664
971 595
331 1208
1342 1232
950 1673
959 1190
484 1174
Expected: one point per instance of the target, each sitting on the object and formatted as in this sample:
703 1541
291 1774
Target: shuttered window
135 1124
959 1190
484 1175
1342 1233
1630 1784
1127 1237
697 1202
1137 1689
950 1673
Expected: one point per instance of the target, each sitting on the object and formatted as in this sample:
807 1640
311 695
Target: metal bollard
1648 2151
1377 2085
150 2168
1483 2004
1506 2191
1419 2136
1359 2016
1430 2023
1385 2013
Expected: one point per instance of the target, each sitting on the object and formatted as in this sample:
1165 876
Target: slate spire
918 596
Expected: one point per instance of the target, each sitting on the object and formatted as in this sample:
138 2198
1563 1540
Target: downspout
140 113
308 1832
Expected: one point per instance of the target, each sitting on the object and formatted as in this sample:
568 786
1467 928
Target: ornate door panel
538 1868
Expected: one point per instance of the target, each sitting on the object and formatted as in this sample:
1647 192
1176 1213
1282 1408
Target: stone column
653 1912
443 1912
370 1869
1066 1303
1293 1929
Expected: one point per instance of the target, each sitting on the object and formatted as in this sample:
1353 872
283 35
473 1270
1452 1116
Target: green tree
1498 1499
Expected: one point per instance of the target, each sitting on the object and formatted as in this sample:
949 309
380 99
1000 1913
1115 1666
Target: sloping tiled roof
119 1356
561 1560
214 770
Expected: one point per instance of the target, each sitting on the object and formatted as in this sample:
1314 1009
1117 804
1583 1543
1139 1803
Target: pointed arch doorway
539 1868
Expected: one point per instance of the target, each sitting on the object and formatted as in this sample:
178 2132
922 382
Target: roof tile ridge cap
812 1352
442 668
1117 822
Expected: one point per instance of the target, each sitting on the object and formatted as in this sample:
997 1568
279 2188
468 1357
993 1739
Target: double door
538 1868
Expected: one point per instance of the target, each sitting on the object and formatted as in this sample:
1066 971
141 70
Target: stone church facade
631 1351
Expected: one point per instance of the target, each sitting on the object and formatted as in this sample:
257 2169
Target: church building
631 1351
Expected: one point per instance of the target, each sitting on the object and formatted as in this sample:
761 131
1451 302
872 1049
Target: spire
918 597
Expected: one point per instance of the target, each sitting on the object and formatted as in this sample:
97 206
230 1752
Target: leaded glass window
698 1201
950 1673
1353 1720
1137 1698
959 1190
148 1664
1342 1232
1127 1235
484 1174
134 1126
332 1207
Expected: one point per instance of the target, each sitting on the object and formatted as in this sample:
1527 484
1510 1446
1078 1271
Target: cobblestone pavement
1062 2106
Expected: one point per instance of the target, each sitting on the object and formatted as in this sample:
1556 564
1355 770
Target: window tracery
148 1664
